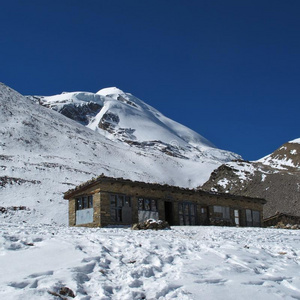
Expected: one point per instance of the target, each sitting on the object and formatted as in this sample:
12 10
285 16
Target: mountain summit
124 117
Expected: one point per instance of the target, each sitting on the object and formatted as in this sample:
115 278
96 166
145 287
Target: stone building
282 218
116 201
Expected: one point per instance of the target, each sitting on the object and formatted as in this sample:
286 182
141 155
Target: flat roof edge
102 178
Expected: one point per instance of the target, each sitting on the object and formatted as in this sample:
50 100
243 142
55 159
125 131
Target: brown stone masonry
117 201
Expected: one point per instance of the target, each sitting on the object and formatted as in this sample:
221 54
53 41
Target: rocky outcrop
275 178
151 224
81 113
108 122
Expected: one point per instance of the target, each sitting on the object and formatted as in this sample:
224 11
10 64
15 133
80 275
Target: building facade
107 201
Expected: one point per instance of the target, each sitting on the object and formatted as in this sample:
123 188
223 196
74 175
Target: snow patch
296 141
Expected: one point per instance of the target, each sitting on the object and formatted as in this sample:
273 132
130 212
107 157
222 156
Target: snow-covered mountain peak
286 156
296 141
111 91
123 117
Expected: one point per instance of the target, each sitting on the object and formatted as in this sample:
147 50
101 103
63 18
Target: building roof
102 178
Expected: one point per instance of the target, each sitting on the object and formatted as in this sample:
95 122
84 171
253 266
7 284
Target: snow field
118 263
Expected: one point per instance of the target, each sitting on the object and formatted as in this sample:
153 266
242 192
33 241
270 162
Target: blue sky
230 70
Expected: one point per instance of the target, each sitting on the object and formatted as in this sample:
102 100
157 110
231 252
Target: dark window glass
141 203
249 217
113 213
222 212
78 203
117 203
181 221
187 213
120 200
256 218
90 200
192 209
153 205
180 208
147 204
85 202
127 201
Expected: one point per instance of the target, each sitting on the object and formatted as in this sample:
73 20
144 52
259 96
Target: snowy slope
124 118
186 263
43 154
275 177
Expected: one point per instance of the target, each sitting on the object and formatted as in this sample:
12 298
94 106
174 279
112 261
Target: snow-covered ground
118 263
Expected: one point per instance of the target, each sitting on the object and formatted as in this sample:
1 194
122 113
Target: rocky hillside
275 177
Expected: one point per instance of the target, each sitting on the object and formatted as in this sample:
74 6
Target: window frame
252 221
187 213
116 204
223 212
84 202
147 204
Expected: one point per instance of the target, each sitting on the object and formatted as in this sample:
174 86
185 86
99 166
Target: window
256 218
117 204
222 212
236 217
147 204
187 213
249 217
252 218
84 202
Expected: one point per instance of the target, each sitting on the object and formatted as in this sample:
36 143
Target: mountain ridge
275 177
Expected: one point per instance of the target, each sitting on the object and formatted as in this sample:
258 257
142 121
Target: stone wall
204 201
96 205
282 218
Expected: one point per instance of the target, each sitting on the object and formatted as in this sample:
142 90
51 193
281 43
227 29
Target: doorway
169 212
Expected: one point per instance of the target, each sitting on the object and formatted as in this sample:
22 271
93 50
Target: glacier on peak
119 113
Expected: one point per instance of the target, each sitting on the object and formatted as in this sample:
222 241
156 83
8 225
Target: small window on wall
187 213
84 202
147 204
117 203
222 212
252 218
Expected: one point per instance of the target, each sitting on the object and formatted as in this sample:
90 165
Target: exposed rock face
275 177
81 113
109 121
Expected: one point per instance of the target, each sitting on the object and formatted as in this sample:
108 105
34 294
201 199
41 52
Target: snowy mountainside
275 177
43 154
124 118
288 155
